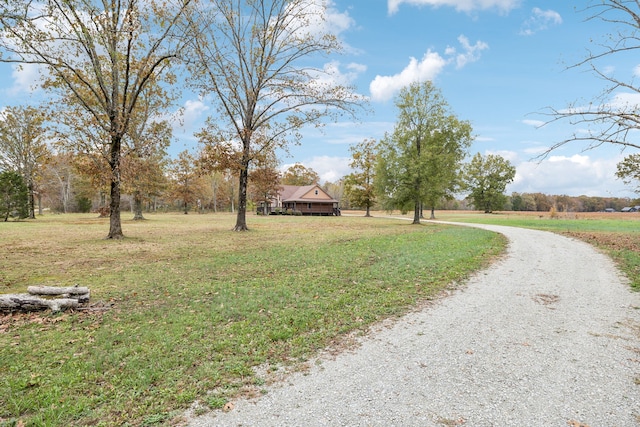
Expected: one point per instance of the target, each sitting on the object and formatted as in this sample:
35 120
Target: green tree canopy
486 179
14 195
419 163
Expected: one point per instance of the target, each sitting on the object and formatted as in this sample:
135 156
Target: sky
500 64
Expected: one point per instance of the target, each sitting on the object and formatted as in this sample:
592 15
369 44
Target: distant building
300 200
630 209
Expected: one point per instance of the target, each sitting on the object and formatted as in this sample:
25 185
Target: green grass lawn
185 309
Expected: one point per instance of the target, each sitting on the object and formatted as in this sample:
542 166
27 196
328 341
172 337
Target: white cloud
469 54
625 101
329 168
534 123
322 17
337 22
383 88
26 78
333 75
540 20
503 6
571 175
189 118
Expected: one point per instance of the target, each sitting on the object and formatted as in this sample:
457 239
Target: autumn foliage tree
100 55
264 180
253 58
186 182
299 174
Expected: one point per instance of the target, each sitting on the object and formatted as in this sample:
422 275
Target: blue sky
498 63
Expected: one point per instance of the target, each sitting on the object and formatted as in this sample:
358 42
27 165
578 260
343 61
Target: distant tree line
540 202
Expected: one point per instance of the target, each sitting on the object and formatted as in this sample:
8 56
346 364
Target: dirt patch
615 241
546 299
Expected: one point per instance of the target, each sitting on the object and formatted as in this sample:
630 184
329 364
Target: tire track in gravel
546 336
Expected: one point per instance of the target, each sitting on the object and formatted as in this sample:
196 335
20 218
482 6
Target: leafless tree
613 116
256 59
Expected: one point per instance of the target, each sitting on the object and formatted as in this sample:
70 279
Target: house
630 209
301 200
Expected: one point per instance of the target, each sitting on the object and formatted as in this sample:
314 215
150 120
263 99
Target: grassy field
184 309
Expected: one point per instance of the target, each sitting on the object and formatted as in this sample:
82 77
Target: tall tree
23 147
359 185
420 161
299 174
486 179
612 117
254 57
99 53
14 196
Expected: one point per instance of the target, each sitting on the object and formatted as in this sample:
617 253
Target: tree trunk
433 214
368 213
137 206
115 224
416 214
32 203
241 219
28 302
39 202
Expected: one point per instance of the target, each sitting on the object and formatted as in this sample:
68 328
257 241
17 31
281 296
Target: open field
185 309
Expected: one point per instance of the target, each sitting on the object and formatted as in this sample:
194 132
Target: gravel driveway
547 336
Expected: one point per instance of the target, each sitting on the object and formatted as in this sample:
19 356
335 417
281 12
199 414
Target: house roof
305 193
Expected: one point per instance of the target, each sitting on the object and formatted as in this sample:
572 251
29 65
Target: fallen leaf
228 407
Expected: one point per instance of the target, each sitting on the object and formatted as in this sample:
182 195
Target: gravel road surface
547 336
